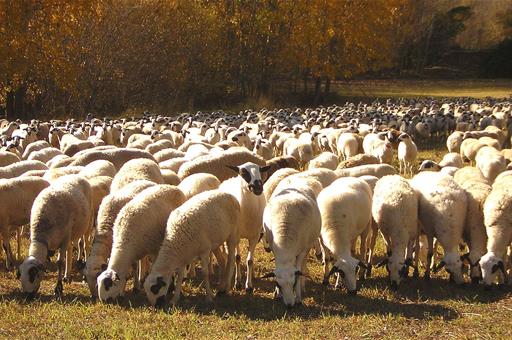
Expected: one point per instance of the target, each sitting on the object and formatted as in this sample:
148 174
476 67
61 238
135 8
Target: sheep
17 169
441 212
454 141
216 164
102 243
53 174
477 189
450 159
60 161
279 162
37 173
490 162
247 188
469 149
377 170
345 207
33 147
324 176
263 149
173 164
489 141
198 183
158 146
8 158
118 157
347 145
170 177
300 150
395 211
291 222
44 155
167 154
98 168
60 215
326 160
501 176
498 225
273 181
195 229
136 169
407 153
358 160
139 229
16 198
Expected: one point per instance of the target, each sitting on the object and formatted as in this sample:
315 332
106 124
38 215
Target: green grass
420 309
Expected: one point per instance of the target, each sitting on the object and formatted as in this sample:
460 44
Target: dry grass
424 309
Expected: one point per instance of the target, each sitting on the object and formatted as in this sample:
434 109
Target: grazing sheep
326 160
291 223
345 207
118 157
442 212
102 243
198 183
407 153
139 229
16 198
17 169
377 170
358 160
498 224
490 162
195 229
60 215
217 164
137 169
477 189
8 158
275 179
450 159
469 149
395 211
279 162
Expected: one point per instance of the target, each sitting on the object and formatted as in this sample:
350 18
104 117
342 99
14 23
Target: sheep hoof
58 289
249 290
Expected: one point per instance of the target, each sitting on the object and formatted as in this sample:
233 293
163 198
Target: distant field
424 88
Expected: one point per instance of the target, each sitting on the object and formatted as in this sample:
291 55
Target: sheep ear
234 168
268 275
265 168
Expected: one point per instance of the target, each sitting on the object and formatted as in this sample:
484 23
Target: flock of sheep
148 198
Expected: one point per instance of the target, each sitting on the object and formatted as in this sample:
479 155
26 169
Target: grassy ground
424 309
479 88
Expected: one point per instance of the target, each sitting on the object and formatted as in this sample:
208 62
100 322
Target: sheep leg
318 250
69 262
400 167
362 249
299 282
238 269
7 248
229 268
416 272
430 256
177 287
371 247
19 232
205 259
250 265
60 261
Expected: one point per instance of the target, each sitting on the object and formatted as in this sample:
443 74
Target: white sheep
44 155
8 158
139 229
395 211
33 147
275 179
454 141
247 188
490 162
498 224
377 170
326 160
477 190
198 183
347 145
195 229
407 153
16 198
98 168
469 149
137 169
60 215
117 156
18 168
102 243
442 212
345 207
292 222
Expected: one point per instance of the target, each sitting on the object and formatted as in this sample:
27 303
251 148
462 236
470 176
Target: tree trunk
318 86
327 85
19 102
10 105
305 84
